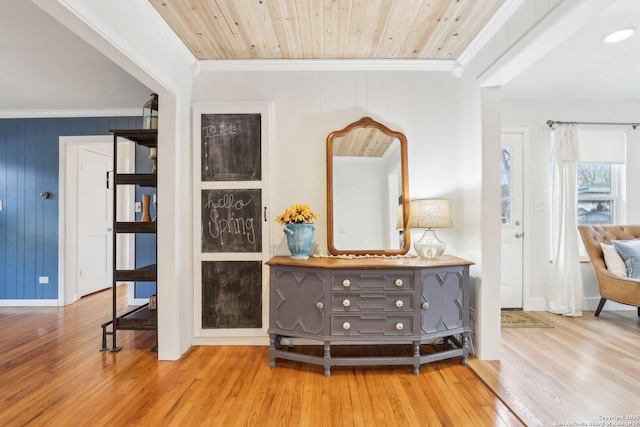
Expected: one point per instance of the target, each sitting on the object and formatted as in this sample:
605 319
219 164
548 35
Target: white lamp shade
429 213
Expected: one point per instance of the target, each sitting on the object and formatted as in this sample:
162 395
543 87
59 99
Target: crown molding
497 21
324 65
40 114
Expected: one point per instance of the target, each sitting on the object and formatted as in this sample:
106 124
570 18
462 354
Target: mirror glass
367 190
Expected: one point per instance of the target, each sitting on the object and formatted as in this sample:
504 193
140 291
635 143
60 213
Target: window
600 178
596 193
505 181
599 191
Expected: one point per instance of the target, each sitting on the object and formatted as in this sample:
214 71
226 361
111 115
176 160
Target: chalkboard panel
231 220
231 294
231 147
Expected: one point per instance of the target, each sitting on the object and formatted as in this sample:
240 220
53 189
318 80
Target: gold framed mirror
367 190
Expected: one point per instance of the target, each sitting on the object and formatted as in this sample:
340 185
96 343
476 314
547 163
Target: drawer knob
346 326
399 326
398 282
346 303
399 303
425 305
319 305
346 283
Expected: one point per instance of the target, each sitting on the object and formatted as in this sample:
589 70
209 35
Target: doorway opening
85 215
512 219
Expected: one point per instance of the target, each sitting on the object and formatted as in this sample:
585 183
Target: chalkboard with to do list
231 147
231 220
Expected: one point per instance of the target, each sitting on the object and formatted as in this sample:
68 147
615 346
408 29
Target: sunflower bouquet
297 214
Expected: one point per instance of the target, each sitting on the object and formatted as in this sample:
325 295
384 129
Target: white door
512 228
95 212
231 223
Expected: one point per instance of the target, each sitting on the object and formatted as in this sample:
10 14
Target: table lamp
429 214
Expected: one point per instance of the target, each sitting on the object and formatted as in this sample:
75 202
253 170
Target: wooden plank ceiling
362 142
326 29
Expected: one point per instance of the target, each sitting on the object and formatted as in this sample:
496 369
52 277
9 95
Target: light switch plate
0 205
138 207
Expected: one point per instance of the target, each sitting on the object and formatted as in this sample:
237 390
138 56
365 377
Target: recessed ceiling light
619 35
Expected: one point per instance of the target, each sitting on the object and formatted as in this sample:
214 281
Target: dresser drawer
371 325
372 302
372 280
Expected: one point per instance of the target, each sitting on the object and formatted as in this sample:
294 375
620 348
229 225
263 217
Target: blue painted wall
145 243
28 223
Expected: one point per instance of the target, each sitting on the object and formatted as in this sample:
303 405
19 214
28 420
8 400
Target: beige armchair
612 286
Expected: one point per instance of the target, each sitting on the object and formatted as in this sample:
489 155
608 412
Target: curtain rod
555 122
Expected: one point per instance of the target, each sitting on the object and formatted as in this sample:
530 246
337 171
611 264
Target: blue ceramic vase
299 239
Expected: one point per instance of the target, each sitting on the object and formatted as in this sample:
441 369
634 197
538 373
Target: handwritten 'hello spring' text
223 221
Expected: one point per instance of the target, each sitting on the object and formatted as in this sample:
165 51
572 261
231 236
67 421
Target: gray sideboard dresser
369 301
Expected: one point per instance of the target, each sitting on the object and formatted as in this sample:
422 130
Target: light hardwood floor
53 374
581 371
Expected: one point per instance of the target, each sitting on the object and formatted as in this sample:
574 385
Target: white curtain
564 291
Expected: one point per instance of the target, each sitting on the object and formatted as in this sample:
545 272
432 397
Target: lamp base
429 246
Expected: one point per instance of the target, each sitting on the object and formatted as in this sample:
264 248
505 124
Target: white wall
451 125
308 105
366 196
132 35
519 34
533 114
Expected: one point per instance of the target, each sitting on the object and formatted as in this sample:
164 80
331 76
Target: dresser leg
272 349
465 347
327 359
416 357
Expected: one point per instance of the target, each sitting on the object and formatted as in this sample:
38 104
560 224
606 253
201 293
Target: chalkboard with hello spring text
231 220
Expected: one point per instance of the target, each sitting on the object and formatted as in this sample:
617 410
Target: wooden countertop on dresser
372 262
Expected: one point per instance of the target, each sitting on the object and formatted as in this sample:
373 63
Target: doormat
520 319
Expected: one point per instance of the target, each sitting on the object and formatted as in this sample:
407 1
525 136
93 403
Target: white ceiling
45 67
585 67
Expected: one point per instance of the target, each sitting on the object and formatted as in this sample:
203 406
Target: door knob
519 235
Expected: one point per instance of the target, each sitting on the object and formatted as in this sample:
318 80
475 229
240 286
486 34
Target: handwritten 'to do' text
221 129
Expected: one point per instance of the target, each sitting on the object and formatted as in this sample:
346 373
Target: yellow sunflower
297 213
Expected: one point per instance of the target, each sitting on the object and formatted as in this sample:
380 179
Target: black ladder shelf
141 317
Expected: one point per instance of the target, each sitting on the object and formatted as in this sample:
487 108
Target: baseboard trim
29 303
256 341
140 301
588 304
